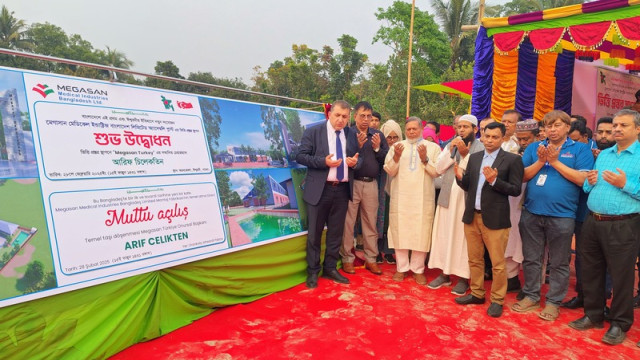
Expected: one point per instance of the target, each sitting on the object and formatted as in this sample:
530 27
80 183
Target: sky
227 38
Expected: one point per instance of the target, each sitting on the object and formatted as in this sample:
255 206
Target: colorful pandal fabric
546 84
527 75
544 40
564 81
589 36
505 77
506 42
482 75
629 28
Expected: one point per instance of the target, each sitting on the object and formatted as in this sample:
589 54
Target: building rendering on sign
12 146
276 195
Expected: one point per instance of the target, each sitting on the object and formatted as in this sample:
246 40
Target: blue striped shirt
607 199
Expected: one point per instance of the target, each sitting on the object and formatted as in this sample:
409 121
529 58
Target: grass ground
22 205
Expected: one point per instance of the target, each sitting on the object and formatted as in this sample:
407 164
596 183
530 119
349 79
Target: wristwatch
426 161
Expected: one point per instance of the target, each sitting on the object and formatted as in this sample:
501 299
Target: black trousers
332 211
609 245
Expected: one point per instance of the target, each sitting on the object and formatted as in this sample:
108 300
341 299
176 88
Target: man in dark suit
498 175
329 151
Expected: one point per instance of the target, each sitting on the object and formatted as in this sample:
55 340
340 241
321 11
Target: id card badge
541 180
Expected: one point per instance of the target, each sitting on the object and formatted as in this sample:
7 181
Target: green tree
212 120
272 119
115 58
208 78
452 15
343 68
12 31
259 188
166 68
386 85
32 277
234 199
224 188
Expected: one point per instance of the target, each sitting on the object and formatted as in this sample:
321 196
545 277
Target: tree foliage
259 187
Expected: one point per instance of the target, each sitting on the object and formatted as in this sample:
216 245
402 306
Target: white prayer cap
469 118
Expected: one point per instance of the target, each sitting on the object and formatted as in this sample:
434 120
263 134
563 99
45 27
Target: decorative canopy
526 61
460 88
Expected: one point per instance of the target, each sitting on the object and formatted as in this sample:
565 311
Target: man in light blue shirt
610 238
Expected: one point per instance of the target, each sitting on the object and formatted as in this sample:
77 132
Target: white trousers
416 264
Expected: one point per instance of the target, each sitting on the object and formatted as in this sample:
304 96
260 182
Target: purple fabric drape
482 76
564 81
527 75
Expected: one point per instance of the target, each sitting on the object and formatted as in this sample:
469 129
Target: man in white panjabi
411 163
449 246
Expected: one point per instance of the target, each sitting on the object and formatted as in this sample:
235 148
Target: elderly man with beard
449 246
411 162
611 239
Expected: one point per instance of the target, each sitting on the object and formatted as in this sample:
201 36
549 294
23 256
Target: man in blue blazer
329 151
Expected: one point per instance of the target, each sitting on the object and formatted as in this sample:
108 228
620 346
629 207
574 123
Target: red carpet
377 318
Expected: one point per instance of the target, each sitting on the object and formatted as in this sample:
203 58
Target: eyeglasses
363 116
394 138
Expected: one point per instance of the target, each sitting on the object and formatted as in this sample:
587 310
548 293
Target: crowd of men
483 207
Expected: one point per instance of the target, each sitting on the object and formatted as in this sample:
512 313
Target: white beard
413 141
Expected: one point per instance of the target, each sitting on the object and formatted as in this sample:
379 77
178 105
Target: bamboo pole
413 8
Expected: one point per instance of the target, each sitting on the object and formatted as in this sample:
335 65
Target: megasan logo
43 90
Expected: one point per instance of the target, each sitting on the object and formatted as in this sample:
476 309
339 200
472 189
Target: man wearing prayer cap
449 246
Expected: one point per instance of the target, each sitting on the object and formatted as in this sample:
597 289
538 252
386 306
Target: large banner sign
615 90
101 181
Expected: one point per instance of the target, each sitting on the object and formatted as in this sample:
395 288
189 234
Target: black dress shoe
584 323
513 284
494 310
334 275
312 281
575 303
468 299
614 335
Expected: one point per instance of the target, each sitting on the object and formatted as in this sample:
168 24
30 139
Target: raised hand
362 138
332 163
490 174
463 149
422 151
542 153
352 161
552 154
375 141
397 152
617 180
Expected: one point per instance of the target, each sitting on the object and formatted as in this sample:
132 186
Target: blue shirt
487 160
607 199
558 196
